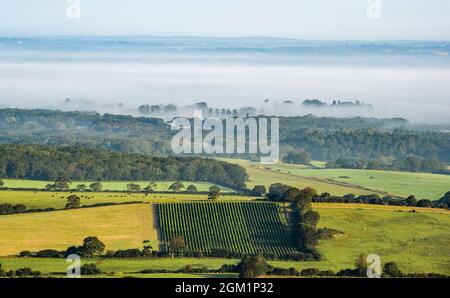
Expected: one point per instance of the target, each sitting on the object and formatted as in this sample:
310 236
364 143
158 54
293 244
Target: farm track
329 181
155 222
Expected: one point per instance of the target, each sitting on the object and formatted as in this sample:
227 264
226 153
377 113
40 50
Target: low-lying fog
421 95
395 83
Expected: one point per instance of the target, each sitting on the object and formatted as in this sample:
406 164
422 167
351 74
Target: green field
111 185
123 267
344 181
118 227
418 242
45 199
249 227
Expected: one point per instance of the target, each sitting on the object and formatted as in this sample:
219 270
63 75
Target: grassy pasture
122 267
111 185
118 227
343 181
267 175
418 242
44 199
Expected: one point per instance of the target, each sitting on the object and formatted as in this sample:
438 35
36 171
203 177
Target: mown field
245 227
111 185
125 226
344 181
418 242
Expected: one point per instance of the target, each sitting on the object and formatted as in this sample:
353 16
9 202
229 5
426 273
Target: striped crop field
244 227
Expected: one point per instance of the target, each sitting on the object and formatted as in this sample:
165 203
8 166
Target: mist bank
406 79
418 94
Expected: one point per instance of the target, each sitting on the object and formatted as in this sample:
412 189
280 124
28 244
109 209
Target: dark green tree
96 186
253 266
391 269
191 188
177 246
73 201
176 186
92 246
259 190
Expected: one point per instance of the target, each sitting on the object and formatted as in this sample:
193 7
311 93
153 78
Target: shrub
90 269
49 253
310 272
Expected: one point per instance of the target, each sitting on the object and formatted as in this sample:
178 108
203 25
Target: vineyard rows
245 227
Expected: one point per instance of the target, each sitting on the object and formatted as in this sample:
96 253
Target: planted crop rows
245 227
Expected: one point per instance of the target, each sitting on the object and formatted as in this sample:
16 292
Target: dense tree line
368 144
325 138
300 157
74 163
375 199
304 219
285 193
410 164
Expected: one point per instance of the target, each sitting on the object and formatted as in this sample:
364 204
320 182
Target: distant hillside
324 138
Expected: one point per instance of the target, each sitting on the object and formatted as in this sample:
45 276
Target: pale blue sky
306 19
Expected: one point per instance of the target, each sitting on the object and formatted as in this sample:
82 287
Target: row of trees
410 164
252 266
281 192
70 163
375 199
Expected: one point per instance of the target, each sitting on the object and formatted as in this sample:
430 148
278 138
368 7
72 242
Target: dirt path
155 223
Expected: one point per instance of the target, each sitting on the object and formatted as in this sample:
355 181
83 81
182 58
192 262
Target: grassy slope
41 199
117 226
261 174
121 266
109 185
418 242
422 185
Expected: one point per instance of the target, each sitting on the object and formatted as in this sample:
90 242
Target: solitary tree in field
177 245
391 269
62 183
133 187
73 201
81 187
151 186
92 246
176 186
96 186
1 182
192 188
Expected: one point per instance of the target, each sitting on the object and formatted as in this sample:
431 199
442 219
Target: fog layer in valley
398 80
421 95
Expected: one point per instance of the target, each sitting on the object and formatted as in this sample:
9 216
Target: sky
304 19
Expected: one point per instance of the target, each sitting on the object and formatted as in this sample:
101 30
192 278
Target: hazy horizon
400 79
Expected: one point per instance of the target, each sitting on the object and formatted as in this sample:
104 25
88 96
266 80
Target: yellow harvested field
119 227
